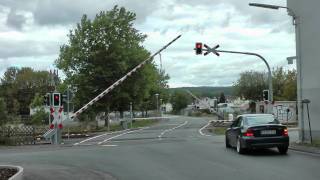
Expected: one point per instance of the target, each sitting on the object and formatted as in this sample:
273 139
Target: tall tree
222 98
3 112
250 85
18 88
180 100
102 50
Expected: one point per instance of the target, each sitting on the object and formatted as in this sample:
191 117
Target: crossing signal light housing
56 99
46 99
266 95
198 48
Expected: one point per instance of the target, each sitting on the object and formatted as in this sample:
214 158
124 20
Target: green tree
40 117
180 100
278 83
99 52
3 112
37 101
222 98
250 85
290 86
19 86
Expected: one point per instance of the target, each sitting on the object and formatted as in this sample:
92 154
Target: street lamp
295 20
160 108
157 97
269 6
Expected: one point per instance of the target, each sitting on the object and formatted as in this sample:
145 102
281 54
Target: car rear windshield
256 120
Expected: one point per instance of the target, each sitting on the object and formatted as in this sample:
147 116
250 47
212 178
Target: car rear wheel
239 147
283 149
227 143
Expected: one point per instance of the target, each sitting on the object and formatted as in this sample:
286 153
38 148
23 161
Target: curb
303 150
18 175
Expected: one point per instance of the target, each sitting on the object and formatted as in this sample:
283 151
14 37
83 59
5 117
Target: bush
40 117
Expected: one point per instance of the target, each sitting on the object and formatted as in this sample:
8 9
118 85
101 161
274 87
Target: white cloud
32 32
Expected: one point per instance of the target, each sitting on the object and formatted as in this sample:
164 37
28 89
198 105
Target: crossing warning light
198 48
56 99
46 99
266 95
51 126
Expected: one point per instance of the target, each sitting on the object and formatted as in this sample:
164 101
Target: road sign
213 50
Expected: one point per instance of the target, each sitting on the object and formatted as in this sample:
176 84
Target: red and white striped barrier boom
118 82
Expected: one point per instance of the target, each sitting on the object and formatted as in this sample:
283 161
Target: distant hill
206 91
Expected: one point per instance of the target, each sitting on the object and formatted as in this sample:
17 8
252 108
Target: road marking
75 144
171 129
86 144
200 130
109 145
128 132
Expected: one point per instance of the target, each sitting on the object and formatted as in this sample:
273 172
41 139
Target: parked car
252 131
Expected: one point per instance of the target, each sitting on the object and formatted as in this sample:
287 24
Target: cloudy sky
31 32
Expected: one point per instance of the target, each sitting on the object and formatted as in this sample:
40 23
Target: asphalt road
173 149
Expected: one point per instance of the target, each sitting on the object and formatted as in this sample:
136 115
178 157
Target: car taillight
249 133
285 132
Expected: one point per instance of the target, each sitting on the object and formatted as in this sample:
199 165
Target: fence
20 135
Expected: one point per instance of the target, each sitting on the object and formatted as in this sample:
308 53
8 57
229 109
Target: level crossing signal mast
47 99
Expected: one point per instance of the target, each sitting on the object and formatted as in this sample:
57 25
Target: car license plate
268 132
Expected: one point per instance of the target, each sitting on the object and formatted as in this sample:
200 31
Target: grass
143 123
315 143
218 130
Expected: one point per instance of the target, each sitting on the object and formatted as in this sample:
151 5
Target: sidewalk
304 148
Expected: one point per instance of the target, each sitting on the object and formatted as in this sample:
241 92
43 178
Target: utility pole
160 107
131 114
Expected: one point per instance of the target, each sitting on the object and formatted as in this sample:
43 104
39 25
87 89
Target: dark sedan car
252 131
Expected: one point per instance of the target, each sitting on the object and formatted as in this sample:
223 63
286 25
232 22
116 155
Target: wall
308 38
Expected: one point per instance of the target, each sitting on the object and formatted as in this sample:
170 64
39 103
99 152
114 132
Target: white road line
109 145
75 144
168 130
128 132
200 130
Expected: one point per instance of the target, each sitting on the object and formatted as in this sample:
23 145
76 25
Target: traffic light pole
216 52
269 71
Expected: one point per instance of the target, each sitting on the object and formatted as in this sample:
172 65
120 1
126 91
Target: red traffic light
56 99
198 48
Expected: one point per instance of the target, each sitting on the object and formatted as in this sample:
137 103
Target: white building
205 103
308 61
166 108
